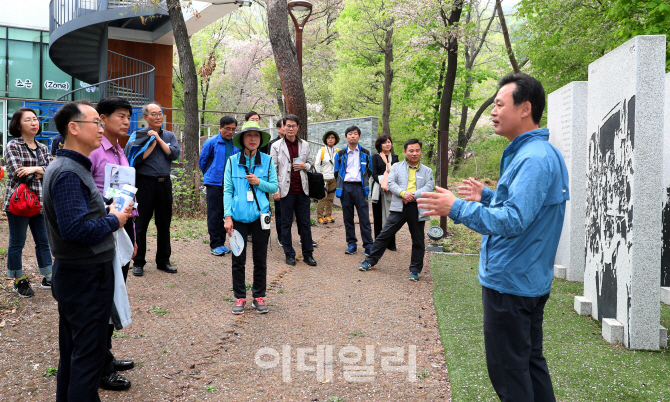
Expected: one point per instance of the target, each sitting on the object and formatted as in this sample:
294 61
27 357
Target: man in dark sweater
80 234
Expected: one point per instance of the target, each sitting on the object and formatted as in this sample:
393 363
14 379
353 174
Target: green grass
583 366
50 372
158 311
460 239
184 229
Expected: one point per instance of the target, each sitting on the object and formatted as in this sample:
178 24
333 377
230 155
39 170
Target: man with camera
249 176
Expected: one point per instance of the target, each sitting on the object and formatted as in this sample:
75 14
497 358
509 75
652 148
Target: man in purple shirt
115 115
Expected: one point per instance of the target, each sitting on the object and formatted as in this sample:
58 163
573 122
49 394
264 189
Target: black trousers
298 204
379 225
409 215
260 239
85 295
513 341
353 195
217 234
108 365
153 197
278 223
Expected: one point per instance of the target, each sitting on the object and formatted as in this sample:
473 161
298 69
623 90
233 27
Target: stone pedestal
612 330
582 305
566 120
559 271
623 203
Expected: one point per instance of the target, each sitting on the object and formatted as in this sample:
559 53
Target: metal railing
64 11
128 78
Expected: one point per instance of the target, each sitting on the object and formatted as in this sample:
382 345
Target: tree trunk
280 102
462 140
436 106
187 67
508 42
388 80
445 104
287 63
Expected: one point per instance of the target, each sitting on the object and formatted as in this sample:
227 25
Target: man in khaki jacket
292 157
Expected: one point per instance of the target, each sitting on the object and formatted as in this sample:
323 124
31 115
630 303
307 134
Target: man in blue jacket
248 179
352 171
215 153
521 224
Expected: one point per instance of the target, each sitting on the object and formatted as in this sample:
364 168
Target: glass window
25 34
24 70
45 37
55 82
3 32
3 66
92 94
12 106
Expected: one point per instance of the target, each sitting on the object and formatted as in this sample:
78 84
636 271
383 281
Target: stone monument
665 254
623 201
566 121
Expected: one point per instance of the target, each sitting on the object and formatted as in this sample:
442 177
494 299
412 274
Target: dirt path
333 333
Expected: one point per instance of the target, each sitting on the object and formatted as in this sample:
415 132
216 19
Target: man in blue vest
213 158
352 170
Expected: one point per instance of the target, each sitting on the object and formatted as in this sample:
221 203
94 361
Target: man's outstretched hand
437 203
472 190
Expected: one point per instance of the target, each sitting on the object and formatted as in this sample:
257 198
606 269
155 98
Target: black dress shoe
168 268
122 365
138 270
290 260
114 382
309 260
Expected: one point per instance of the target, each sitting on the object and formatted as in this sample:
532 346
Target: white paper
116 176
236 243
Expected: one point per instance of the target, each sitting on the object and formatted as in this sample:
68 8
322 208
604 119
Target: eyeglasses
99 123
229 129
290 126
156 114
33 120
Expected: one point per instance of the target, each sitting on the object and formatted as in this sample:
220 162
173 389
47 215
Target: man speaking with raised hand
521 224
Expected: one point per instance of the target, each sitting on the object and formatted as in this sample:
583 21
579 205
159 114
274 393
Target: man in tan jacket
291 156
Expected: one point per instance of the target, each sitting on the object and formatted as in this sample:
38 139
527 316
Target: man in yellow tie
407 180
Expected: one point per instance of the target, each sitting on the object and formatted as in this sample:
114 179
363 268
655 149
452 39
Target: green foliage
642 17
583 366
485 161
50 372
158 311
188 198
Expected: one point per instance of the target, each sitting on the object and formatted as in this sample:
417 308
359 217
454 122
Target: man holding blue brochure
151 152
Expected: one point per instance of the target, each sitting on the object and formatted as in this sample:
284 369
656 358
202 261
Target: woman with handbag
381 166
26 161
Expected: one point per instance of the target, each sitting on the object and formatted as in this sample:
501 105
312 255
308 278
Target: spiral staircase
78 46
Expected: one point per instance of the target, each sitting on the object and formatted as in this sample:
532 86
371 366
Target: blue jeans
18 228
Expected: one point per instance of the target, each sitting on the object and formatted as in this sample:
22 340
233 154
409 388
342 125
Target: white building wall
30 14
